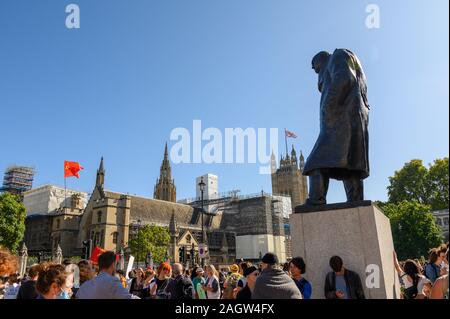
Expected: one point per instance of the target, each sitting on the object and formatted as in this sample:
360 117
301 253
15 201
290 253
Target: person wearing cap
231 282
250 274
274 283
198 280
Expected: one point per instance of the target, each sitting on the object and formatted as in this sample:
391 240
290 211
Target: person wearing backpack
180 286
297 268
414 284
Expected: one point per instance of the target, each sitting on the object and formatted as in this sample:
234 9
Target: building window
188 239
115 236
439 221
58 223
446 221
99 217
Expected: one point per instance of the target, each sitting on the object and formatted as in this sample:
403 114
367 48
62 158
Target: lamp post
202 189
139 242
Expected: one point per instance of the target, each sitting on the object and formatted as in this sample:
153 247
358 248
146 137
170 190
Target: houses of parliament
234 227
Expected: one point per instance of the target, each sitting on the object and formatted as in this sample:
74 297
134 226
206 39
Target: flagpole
65 192
285 140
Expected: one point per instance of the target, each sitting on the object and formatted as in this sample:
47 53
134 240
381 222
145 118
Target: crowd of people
266 280
425 280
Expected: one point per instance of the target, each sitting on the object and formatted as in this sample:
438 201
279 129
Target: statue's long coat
343 142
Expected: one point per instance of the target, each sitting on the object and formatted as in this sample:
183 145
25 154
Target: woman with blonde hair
212 286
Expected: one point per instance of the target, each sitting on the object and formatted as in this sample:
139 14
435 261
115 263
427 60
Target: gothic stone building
288 179
234 227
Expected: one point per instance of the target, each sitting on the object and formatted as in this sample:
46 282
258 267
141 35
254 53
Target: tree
150 238
438 184
414 182
414 229
12 221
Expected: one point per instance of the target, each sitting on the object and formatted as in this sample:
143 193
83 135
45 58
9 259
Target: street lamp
139 242
202 185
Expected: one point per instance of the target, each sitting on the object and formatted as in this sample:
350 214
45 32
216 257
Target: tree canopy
150 238
414 229
415 182
12 221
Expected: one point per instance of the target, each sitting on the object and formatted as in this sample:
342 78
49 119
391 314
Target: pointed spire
302 161
101 165
166 152
293 152
100 181
173 229
224 247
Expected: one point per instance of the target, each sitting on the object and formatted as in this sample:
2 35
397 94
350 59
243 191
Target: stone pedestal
360 235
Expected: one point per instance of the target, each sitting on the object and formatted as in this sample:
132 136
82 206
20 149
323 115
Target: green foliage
12 221
150 238
414 182
413 229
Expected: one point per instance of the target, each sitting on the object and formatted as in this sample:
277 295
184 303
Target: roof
160 212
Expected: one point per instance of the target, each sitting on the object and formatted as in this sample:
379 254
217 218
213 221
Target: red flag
97 251
290 134
72 169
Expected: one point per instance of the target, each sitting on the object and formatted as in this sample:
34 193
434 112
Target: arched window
188 239
99 217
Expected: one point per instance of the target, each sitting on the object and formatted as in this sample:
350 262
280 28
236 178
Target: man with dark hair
105 285
433 267
274 283
28 289
342 283
297 268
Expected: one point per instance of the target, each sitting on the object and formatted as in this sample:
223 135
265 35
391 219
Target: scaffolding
18 179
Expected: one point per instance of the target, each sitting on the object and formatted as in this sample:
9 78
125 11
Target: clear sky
137 69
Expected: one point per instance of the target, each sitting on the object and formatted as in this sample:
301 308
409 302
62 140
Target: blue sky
137 69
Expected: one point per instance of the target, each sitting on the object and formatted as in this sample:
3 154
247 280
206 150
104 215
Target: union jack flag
290 134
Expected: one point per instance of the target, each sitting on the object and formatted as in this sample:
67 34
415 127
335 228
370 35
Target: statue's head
319 60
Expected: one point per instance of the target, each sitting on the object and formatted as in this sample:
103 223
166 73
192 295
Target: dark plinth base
302 209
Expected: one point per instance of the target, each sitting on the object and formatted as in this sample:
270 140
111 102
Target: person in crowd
433 267
242 281
274 283
198 281
414 284
194 272
286 268
122 278
251 273
8 262
137 283
149 284
28 288
222 275
86 271
231 282
443 250
131 275
440 286
105 285
297 269
51 282
212 286
342 283
162 280
12 287
180 287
